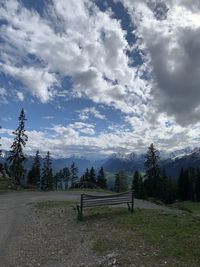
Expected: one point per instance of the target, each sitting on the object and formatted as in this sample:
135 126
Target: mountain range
173 162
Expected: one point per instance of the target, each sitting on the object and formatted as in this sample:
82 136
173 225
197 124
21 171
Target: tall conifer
74 174
34 173
47 174
101 179
152 171
17 157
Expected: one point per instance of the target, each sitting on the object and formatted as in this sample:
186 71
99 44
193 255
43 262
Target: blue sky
100 77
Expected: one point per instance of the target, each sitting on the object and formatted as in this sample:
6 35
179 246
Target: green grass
157 235
145 238
53 204
192 207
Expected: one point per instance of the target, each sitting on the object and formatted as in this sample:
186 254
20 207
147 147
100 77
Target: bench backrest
91 201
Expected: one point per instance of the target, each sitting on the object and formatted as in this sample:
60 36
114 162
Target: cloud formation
157 97
73 39
169 34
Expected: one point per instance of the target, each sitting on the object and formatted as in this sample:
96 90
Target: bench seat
88 201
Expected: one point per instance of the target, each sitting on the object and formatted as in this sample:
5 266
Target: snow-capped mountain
173 162
123 156
184 152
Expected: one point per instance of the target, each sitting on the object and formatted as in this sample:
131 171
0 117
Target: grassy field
145 238
153 236
189 206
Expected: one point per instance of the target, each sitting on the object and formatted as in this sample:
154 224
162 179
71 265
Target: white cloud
79 139
48 117
77 40
20 96
74 39
38 80
3 96
172 45
87 112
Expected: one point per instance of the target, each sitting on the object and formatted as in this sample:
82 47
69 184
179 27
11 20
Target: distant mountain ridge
173 162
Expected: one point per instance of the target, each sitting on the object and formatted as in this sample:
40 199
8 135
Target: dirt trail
15 206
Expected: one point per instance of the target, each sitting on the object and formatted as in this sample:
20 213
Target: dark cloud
176 73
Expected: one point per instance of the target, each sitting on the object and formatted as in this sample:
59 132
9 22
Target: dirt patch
51 236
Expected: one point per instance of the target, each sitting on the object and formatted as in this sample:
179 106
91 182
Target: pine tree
92 176
1 165
66 176
74 174
152 171
47 174
141 189
17 157
198 185
138 186
184 185
192 180
168 188
34 173
135 183
0 145
57 180
117 182
101 179
121 182
87 175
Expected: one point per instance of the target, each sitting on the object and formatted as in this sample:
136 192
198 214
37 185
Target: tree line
156 184
42 177
153 183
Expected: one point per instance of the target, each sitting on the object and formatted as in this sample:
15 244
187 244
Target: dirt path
14 211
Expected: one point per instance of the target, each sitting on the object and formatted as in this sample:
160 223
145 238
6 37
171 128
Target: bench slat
88 201
99 199
86 196
106 201
104 204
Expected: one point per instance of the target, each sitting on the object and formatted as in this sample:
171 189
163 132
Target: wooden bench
88 201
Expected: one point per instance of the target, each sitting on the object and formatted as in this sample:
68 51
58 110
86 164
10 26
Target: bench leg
130 207
80 216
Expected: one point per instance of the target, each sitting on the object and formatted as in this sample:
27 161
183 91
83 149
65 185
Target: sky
97 77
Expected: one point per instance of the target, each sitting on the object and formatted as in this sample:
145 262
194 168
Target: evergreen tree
0 145
198 185
92 176
57 179
82 178
121 182
101 179
192 181
1 165
47 174
184 185
168 188
117 182
152 171
74 174
135 183
66 176
34 173
87 175
17 157
141 189
138 186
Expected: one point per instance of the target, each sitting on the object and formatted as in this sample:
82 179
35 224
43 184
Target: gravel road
14 206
